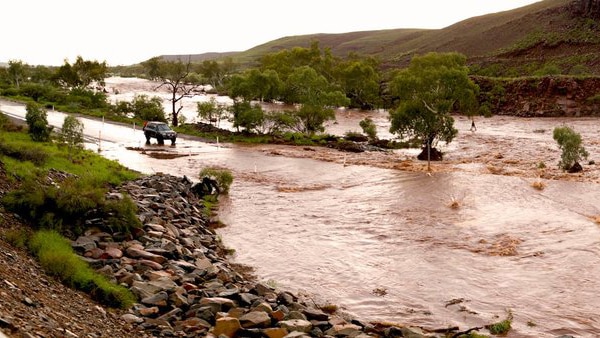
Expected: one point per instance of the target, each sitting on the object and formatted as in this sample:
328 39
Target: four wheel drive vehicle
160 131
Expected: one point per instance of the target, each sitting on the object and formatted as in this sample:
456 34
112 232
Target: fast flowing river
385 245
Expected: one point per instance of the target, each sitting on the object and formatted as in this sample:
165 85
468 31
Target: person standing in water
473 128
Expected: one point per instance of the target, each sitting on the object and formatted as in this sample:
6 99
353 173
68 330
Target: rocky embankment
549 96
178 268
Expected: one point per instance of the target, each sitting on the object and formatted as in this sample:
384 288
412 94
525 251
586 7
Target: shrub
4 121
369 128
223 177
35 155
355 137
148 109
36 118
28 201
57 257
569 143
35 91
500 328
17 237
66 205
121 215
71 133
547 69
83 98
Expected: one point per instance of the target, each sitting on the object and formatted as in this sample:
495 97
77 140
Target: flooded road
459 247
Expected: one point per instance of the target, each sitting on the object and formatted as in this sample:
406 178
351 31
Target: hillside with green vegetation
551 33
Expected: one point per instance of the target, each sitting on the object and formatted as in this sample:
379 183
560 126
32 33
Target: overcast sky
124 32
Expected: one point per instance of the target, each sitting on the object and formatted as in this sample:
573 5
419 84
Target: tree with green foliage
71 134
41 74
316 97
211 111
215 72
287 61
569 142
173 75
255 84
37 122
17 71
359 79
266 85
81 74
148 108
247 116
369 128
432 87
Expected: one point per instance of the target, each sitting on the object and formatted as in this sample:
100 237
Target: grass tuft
58 259
17 237
501 327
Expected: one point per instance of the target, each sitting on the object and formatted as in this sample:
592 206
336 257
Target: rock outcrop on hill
588 8
550 96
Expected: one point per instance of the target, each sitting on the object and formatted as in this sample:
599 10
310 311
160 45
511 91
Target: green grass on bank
57 257
58 207
25 159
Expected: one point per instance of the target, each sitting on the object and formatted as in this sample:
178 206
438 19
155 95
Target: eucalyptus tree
287 61
316 97
359 78
255 84
428 91
211 111
81 74
17 72
215 72
174 76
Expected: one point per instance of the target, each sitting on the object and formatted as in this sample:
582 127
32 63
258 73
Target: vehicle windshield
163 127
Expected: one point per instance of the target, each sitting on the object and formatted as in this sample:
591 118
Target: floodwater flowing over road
435 250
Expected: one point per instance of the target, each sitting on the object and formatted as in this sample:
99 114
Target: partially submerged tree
211 111
174 76
247 116
369 128
214 72
316 96
569 142
432 87
359 79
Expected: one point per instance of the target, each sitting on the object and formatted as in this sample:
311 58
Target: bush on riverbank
223 177
58 190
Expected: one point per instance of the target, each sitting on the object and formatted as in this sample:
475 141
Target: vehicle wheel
160 139
173 141
147 137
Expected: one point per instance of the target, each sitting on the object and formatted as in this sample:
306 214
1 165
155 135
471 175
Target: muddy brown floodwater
376 234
